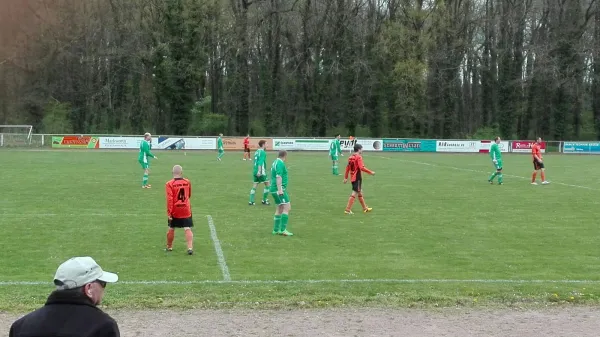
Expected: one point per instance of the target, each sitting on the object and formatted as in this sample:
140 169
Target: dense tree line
400 68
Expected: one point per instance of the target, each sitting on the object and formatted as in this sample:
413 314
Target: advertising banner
408 145
484 146
78 142
582 147
122 142
524 146
237 143
367 143
301 144
457 146
188 143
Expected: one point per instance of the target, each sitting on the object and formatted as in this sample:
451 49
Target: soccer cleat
286 233
534 183
251 203
168 249
276 233
265 202
367 210
348 212
190 251
219 159
545 182
491 182
148 186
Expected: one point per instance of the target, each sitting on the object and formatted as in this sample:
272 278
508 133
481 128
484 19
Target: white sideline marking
479 171
267 282
23 215
218 250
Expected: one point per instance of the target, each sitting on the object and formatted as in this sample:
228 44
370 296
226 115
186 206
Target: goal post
15 135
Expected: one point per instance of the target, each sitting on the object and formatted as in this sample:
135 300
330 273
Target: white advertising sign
367 143
457 146
484 146
176 143
123 142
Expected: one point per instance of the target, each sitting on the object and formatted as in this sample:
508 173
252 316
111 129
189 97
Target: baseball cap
79 271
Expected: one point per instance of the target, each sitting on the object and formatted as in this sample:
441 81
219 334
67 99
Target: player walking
179 210
538 163
247 148
220 147
335 150
355 168
496 156
279 182
144 158
259 174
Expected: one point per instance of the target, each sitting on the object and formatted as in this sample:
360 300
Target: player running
279 182
355 168
496 156
259 174
220 147
179 210
247 148
538 163
335 150
144 158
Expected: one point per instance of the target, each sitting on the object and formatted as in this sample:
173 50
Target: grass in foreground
435 218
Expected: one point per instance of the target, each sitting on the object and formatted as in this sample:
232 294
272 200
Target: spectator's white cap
79 271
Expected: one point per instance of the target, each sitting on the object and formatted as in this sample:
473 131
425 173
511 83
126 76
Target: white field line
24 215
218 250
366 281
479 171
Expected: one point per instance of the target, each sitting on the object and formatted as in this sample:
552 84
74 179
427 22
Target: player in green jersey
144 157
259 174
335 150
496 156
279 183
220 147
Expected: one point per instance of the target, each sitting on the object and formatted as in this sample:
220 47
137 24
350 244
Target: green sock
284 222
145 180
220 155
277 224
265 194
335 169
493 176
500 178
252 193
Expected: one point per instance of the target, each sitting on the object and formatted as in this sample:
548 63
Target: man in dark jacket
71 310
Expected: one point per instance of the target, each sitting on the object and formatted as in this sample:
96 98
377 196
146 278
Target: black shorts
356 185
537 165
247 149
181 222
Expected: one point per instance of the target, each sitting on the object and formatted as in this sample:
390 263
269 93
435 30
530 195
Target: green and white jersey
495 153
145 153
335 148
278 169
219 143
260 163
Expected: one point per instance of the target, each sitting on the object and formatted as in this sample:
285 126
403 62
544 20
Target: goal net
15 135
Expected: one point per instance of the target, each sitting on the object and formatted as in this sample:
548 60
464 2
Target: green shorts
334 157
261 179
498 165
281 199
145 166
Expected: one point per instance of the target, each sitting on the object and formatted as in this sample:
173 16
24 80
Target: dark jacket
67 313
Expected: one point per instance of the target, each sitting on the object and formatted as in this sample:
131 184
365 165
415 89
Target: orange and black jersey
355 167
179 192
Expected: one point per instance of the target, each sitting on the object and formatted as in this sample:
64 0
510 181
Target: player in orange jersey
538 163
179 210
355 168
247 148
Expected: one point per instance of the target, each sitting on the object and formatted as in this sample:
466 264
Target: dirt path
564 322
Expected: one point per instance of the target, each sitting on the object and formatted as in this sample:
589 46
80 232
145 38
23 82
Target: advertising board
524 146
582 147
457 146
484 146
408 145
77 142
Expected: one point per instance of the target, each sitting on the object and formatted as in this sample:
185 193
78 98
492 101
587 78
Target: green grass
435 218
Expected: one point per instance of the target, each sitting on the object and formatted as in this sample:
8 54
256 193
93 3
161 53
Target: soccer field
439 234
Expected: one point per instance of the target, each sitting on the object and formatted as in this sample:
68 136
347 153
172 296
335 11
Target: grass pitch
438 235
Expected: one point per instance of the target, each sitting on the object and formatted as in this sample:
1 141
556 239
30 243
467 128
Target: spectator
71 310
